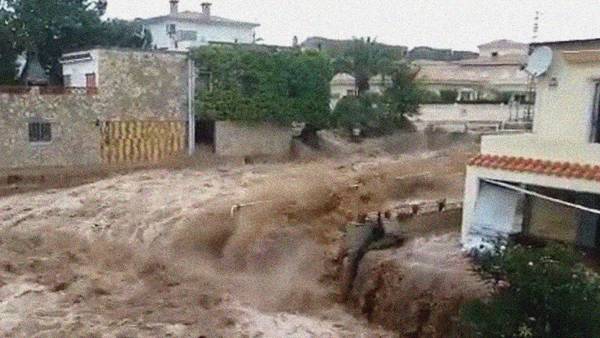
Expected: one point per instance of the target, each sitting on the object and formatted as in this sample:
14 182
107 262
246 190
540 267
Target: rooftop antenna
536 26
538 63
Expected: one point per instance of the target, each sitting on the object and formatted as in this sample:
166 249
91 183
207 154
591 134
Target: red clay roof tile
536 166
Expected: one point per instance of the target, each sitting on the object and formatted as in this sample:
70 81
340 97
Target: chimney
206 8
174 6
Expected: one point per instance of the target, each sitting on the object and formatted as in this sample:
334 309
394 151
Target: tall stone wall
75 137
132 86
142 85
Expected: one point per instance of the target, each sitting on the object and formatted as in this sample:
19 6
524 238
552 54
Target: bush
368 112
255 85
547 293
448 96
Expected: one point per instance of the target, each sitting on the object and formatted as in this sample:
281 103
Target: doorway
205 132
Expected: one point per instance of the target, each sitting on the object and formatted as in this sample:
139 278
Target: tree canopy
51 27
364 58
264 85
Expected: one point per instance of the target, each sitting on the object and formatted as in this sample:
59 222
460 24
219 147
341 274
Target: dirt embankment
417 289
189 253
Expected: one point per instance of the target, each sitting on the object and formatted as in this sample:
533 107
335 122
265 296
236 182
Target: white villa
183 30
546 183
498 69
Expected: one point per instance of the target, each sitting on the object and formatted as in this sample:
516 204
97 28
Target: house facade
121 106
545 183
498 70
182 30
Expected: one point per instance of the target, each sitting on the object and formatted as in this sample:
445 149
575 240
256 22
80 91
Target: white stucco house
181 30
545 183
498 69
344 84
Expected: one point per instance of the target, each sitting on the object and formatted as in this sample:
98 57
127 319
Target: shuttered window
40 132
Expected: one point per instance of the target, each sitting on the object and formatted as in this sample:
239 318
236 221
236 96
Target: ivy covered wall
254 85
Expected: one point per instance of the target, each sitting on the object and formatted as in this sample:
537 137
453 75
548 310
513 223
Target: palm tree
364 58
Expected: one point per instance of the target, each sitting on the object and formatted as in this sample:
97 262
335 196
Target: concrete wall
565 111
237 139
132 85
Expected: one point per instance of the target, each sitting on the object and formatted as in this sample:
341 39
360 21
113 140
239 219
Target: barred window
40 132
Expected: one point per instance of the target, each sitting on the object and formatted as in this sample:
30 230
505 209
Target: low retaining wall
236 139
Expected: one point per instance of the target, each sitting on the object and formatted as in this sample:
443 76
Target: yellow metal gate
141 141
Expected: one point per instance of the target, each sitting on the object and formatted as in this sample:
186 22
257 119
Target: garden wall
236 139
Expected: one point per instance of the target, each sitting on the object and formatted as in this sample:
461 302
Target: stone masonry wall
75 138
132 85
142 85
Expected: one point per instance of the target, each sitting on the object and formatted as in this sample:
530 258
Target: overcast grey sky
458 24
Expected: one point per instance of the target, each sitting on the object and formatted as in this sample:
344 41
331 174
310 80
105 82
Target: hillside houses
496 72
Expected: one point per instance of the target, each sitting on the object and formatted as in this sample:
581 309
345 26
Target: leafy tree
51 27
378 114
256 85
403 95
364 58
547 293
8 51
448 95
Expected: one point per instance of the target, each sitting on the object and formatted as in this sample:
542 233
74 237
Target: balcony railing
49 90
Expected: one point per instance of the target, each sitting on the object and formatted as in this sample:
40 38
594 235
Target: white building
497 70
344 84
80 69
545 183
183 30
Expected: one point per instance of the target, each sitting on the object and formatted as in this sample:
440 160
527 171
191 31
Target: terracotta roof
196 17
503 43
541 167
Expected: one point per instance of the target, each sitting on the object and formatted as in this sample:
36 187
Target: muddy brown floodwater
188 253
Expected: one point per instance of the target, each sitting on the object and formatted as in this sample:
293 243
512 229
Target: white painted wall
78 69
565 111
205 33
475 174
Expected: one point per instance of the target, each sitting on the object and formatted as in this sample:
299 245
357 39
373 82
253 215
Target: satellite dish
539 61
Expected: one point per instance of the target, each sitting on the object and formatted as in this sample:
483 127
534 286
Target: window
40 131
90 80
351 92
171 29
595 137
67 80
187 36
494 54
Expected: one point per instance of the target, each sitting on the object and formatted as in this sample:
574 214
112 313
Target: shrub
255 85
548 293
448 95
368 112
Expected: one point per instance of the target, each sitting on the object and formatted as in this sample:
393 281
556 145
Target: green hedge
255 85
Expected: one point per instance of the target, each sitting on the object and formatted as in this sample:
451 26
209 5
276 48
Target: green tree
364 58
51 27
8 50
254 85
403 95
